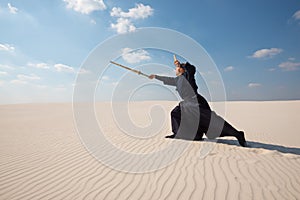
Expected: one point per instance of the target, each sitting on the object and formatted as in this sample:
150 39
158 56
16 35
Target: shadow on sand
259 145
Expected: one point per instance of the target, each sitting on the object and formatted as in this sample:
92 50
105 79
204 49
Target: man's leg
227 130
199 135
175 121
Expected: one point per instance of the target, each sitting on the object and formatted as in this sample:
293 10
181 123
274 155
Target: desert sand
42 156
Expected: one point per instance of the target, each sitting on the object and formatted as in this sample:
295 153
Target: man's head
179 69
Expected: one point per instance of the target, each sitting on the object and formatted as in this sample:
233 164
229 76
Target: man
193 116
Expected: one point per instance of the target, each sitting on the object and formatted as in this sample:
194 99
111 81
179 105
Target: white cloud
92 21
123 26
85 6
6 67
83 71
124 22
1 83
105 78
17 81
229 68
60 88
3 73
39 65
12 9
265 53
64 68
24 77
114 83
289 66
6 47
291 59
140 11
41 86
254 85
271 69
296 16
135 56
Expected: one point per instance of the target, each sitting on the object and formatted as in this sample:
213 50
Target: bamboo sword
128 68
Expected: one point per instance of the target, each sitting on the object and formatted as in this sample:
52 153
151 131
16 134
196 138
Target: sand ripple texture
42 157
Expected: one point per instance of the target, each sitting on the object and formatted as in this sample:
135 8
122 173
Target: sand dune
42 156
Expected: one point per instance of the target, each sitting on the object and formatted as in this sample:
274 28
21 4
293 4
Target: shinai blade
130 69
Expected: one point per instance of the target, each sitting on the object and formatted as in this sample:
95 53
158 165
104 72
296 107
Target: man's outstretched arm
165 79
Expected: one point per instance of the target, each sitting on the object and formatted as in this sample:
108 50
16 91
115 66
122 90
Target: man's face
178 69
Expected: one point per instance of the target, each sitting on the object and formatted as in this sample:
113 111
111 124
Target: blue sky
255 44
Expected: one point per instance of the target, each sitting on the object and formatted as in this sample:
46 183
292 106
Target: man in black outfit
193 116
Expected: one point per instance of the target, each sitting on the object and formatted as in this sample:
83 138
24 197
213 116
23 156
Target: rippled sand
42 156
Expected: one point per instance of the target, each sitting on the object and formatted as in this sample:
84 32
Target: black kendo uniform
193 116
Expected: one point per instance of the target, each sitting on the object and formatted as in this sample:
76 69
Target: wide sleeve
167 80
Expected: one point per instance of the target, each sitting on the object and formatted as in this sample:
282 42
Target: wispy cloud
19 82
85 6
291 59
30 77
92 21
39 65
58 67
254 85
6 67
296 16
229 68
105 78
64 68
289 66
2 73
125 19
60 88
271 69
83 71
7 47
266 53
135 56
12 9
41 86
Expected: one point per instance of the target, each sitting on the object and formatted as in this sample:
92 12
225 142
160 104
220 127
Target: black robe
191 117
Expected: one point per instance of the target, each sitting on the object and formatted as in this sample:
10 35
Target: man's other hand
152 76
177 63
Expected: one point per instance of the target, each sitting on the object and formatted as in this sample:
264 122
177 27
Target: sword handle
174 56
